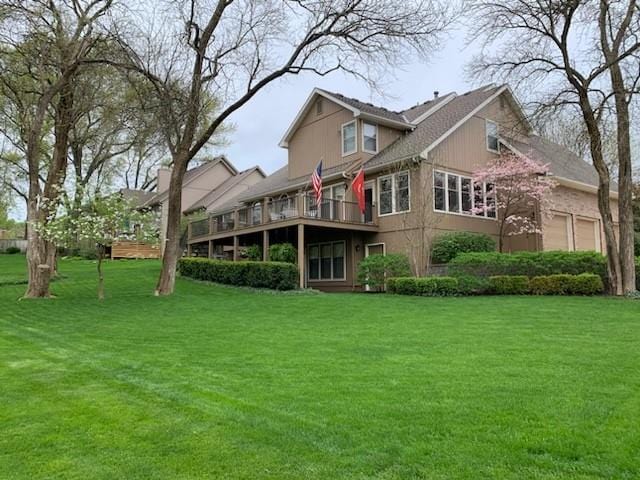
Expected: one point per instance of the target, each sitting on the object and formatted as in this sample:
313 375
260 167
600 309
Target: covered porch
327 257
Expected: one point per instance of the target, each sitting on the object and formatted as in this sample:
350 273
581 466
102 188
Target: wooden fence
13 242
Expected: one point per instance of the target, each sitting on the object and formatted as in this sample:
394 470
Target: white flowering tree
521 194
102 222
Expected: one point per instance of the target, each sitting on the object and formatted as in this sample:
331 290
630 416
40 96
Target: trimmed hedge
562 284
509 284
531 264
375 270
448 246
426 286
638 273
272 275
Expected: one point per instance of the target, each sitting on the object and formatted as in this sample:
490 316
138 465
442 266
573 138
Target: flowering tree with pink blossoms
521 194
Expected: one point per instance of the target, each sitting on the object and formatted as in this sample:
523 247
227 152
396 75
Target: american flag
316 182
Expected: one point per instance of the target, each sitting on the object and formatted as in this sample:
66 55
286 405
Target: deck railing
299 206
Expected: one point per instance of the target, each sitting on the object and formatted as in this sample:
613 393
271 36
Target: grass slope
217 382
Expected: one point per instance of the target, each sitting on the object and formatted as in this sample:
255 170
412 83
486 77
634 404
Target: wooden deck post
235 248
210 252
301 253
265 245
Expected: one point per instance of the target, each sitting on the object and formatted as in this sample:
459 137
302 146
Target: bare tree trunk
171 254
100 273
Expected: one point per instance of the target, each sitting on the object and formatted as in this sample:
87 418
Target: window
319 106
457 194
492 136
331 201
349 138
370 138
327 261
440 191
394 193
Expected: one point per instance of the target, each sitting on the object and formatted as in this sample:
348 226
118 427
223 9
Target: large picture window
458 194
395 194
349 145
326 261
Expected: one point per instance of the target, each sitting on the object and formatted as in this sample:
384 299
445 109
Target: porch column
301 253
210 252
236 245
188 250
265 245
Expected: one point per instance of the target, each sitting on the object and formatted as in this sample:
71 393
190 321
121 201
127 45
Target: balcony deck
280 213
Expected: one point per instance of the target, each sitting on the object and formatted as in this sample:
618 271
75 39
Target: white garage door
587 234
557 233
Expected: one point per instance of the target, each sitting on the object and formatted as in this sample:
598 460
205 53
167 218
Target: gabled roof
191 175
360 110
418 113
562 162
215 195
136 197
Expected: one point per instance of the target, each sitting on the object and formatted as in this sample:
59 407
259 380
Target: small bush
12 250
470 285
374 270
425 286
283 252
638 273
531 264
636 244
509 284
448 246
272 275
253 253
563 284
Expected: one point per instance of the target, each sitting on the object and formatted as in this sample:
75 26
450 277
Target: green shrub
470 285
509 284
425 286
636 244
283 252
253 253
448 246
638 273
273 275
12 250
564 284
531 264
374 270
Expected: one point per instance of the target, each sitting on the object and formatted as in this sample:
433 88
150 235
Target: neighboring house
204 188
418 165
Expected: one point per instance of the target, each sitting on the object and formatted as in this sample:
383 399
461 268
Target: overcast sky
260 125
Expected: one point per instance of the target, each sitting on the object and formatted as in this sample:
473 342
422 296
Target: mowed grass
217 382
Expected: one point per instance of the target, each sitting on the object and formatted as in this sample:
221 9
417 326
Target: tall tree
557 53
230 50
42 45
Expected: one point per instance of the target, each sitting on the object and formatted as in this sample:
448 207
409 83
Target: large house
418 165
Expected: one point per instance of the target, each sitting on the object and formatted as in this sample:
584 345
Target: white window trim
319 245
375 125
484 216
355 123
488 121
393 193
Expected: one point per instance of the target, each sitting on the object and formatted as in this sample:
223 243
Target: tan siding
320 137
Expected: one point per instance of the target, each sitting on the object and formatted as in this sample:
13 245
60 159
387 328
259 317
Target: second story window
492 136
454 193
394 193
349 138
370 138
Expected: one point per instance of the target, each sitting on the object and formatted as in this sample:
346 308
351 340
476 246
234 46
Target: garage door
586 234
556 233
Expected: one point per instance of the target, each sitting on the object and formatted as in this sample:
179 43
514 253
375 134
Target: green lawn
217 382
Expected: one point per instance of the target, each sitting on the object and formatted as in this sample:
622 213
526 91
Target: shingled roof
369 108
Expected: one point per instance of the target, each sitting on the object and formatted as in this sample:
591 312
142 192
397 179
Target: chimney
435 94
164 175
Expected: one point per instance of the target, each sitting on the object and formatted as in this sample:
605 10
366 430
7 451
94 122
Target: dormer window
349 144
370 137
491 129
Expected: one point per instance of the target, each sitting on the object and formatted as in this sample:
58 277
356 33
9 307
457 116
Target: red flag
358 189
